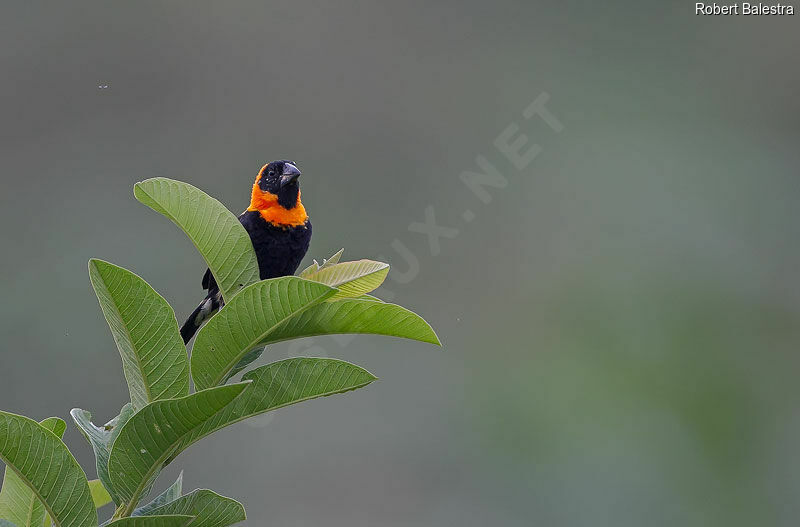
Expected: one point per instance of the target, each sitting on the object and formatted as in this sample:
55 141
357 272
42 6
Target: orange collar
269 208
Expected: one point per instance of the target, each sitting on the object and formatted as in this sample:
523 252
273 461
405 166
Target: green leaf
18 502
314 267
246 321
172 493
153 521
55 425
209 508
101 438
353 315
144 327
334 259
214 230
100 495
152 434
43 462
311 269
352 279
283 383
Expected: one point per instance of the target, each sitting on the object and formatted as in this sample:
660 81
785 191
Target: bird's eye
271 173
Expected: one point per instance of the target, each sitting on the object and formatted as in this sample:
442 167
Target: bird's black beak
289 174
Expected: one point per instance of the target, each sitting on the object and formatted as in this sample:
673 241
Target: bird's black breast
279 249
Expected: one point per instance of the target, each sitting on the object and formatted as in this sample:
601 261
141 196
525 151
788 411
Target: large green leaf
355 315
209 508
43 462
283 383
246 321
153 433
101 438
352 279
144 327
214 230
171 494
153 521
18 503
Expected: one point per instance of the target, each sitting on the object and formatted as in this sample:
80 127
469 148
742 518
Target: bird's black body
279 247
279 250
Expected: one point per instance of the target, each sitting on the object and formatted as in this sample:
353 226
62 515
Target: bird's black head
279 178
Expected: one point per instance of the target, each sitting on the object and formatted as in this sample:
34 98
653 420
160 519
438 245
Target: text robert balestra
743 9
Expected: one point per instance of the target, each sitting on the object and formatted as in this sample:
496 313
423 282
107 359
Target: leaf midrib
30 485
128 333
131 506
272 408
343 281
226 295
172 218
228 367
135 497
437 342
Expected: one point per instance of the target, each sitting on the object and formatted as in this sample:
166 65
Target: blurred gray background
620 322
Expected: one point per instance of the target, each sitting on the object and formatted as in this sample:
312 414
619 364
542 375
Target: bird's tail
203 312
